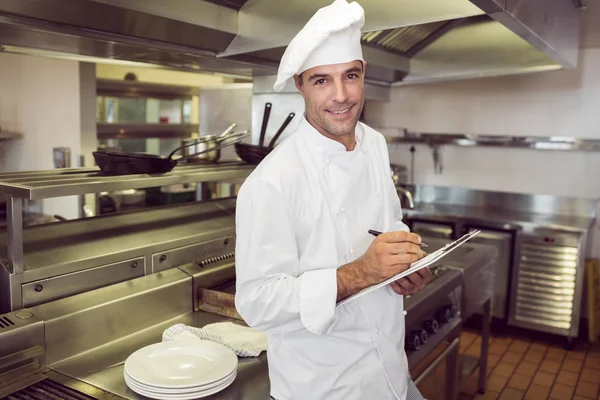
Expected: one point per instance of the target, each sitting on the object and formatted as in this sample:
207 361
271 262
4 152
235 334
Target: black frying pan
116 163
253 154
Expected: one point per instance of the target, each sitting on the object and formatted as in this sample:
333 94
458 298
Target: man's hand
414 282
389 254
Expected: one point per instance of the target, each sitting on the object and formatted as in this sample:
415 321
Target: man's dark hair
300 75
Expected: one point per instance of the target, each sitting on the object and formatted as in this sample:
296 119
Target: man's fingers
401 260
399 248
406 285
397 288
425 274
416 279
400 236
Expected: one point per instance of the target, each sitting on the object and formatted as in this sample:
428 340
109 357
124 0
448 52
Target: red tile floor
520 367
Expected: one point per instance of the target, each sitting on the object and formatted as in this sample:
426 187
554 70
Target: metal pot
204 143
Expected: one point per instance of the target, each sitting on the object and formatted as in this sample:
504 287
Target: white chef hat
331 36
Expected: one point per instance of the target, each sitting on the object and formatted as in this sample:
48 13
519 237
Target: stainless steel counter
529 221
83 341
103 368
529 211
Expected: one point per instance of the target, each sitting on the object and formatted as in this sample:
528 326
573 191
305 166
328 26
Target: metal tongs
416 266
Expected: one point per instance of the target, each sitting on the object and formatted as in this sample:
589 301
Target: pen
377 233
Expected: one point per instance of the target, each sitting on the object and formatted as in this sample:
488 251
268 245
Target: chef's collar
326 147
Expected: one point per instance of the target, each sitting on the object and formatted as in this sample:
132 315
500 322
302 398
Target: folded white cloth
244 341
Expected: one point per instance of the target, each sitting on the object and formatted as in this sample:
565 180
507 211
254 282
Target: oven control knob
423 336
413 342
443 315
431 326
453 310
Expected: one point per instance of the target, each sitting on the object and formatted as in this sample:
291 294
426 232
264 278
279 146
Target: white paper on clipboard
422 263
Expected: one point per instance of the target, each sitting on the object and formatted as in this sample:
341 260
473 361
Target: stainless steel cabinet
432 229
548 283
504 243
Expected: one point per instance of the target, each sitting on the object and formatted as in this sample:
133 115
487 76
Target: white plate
181 363
185 396
132 382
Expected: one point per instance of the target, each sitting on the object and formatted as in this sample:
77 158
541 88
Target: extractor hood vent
233 4
403 40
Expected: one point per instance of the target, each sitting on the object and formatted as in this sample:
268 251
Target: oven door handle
453 345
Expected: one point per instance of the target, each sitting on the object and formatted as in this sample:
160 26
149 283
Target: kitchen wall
220 106
560 103
40 98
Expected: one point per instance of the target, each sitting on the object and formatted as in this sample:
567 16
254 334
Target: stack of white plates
181 369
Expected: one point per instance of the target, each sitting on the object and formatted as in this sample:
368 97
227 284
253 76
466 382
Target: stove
433 314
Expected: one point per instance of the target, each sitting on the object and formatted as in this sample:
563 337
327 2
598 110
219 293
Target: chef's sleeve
271 293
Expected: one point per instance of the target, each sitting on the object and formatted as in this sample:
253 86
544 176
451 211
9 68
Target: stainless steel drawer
544 320
58 287
531 288
192 253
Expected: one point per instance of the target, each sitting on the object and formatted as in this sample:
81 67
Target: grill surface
48 389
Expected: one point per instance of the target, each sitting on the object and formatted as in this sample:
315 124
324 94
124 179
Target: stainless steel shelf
142 131
4 135
36 185
136 89
525 142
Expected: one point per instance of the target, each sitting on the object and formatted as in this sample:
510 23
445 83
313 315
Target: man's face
334 97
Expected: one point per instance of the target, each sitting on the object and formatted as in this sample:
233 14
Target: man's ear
299 84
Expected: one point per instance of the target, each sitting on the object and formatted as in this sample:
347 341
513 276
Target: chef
302 223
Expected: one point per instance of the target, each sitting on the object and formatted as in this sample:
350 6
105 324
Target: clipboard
416 266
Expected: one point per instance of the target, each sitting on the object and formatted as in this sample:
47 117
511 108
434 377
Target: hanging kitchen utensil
281 129
437 159
228 130
265 122
116 163
203 143
253 154
412 164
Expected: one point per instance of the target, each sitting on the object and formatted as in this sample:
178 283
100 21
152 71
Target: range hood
404 41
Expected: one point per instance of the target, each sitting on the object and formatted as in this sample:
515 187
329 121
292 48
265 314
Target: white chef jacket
301 214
